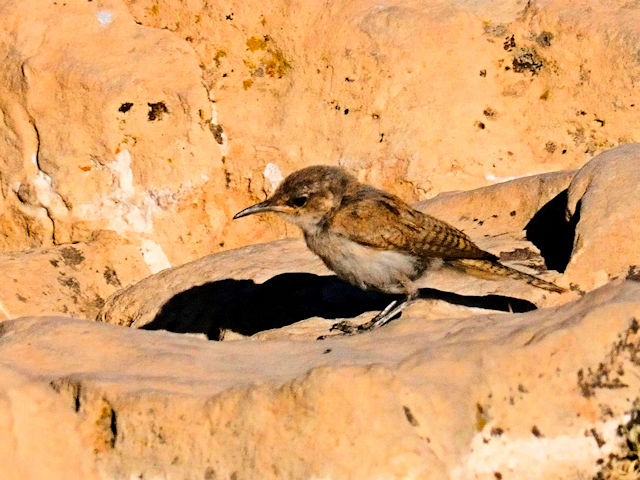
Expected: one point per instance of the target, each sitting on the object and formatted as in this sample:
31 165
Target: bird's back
380 220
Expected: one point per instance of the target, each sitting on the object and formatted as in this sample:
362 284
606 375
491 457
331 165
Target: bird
374 240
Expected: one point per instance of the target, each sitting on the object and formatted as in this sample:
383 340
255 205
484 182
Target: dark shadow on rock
552 233
490 302
247 308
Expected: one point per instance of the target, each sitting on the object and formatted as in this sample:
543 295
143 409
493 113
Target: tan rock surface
417 98
604 201
39 431
275 284
72 280
530 396
503 208
105 124
158 119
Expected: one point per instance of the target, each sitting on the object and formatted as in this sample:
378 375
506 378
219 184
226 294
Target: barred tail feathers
490 269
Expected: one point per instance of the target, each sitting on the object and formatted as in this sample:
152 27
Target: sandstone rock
529 207
108 120
39 431
224 279
276 284
105 125
506 207
537 395
393 94
157 120
430 309
604 202
72 280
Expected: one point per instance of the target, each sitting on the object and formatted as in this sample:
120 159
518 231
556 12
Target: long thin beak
258 208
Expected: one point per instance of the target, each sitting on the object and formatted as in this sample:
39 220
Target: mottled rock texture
530 396
105 124
158 118
132 130
72 280
604 203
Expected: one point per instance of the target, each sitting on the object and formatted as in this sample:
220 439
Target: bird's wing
380 220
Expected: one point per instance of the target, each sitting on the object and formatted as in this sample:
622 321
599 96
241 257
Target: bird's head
306 196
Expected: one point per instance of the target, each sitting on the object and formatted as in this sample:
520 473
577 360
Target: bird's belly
368 268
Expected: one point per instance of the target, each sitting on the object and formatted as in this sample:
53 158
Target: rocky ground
143 334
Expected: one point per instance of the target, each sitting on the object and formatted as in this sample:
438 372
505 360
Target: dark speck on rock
71 256
216 129
111 277
157 111
489 112
97 301
70 282
410 417
509 43
527 60
209 474
634 273
544 39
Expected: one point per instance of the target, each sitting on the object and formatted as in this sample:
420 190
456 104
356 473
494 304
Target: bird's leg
390 311
387 314
381 315
345 326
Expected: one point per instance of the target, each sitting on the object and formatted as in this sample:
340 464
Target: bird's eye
299 201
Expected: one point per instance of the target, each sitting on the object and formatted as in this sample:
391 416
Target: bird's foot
345 327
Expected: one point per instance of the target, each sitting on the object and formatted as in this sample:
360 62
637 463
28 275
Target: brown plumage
375 240
397 226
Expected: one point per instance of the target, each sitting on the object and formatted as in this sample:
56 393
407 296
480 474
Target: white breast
368 268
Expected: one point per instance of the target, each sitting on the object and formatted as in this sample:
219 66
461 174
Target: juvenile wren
373 239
